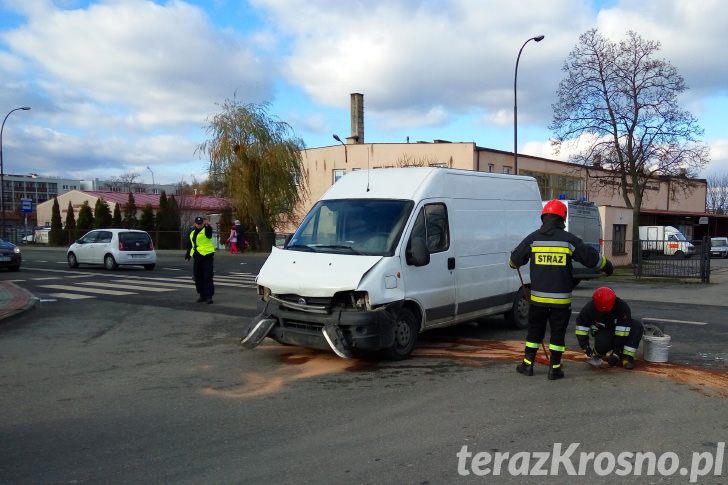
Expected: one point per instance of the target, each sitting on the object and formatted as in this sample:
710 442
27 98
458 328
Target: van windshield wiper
299 247
339 246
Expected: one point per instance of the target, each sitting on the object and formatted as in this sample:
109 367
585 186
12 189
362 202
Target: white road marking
127 287
89 290
687 322
70 296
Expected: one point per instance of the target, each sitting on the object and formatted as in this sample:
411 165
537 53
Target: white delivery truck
388 253
584 221
664 240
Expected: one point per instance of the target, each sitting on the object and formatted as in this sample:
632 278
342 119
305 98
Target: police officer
550 250
202 253
609 319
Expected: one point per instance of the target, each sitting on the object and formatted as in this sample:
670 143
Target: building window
619 239
553 185
506 170
338 173
491 168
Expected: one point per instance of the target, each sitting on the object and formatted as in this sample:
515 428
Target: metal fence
657 259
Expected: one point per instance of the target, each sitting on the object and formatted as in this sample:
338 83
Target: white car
112 248
719 247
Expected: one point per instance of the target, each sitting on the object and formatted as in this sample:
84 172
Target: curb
16 300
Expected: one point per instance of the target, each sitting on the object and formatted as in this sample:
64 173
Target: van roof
414 183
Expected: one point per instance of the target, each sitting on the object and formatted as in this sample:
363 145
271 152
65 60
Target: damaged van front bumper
343 330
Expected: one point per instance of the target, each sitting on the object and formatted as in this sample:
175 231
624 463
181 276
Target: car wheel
72 261
517 316
406 329
110 262
14 268
149 267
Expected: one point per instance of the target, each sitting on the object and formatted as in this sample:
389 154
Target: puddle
300 363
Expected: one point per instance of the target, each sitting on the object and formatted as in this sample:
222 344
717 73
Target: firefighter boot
555 370
526 367
628 362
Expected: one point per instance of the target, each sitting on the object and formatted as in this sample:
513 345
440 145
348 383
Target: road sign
26 205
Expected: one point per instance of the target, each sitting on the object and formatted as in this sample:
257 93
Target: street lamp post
2 169
538 38
346 155
152 178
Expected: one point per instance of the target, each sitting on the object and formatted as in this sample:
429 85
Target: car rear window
135 241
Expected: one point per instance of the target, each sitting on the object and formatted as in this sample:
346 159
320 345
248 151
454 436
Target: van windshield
718 242
369 227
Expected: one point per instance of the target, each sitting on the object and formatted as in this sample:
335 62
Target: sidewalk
14 300
662 289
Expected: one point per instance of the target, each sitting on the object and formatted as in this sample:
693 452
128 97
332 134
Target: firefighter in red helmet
609 320
551 250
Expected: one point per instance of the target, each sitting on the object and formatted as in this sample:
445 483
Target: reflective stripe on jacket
550 257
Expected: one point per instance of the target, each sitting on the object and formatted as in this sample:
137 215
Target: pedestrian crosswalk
75 288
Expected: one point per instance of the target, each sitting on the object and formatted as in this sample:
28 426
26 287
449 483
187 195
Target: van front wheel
406 329
517 317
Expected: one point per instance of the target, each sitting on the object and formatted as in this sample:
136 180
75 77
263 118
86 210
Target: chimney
357 119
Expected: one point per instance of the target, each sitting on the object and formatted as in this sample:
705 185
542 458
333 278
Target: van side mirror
417 253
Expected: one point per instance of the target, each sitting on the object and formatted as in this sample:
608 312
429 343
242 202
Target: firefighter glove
613 360
588 351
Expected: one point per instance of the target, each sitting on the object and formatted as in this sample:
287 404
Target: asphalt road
150 387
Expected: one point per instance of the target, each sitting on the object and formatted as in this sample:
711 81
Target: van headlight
264 292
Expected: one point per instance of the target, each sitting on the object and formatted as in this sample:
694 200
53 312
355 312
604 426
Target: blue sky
117 86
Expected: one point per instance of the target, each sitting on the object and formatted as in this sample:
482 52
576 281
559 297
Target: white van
584 221
665 241
388 253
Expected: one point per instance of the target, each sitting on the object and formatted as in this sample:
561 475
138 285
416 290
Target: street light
538 38
152 178
2 170
346 155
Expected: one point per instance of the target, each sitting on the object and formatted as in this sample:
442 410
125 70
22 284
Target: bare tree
121 183
717 197
620 103
407 160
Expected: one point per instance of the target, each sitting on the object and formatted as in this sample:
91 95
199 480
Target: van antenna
367 170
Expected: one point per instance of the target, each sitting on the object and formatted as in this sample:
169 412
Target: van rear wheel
517 316
406 329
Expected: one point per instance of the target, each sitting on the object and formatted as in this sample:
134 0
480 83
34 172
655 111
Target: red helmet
555 207
604 299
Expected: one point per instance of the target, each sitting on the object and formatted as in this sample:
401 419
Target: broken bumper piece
259 328
335 338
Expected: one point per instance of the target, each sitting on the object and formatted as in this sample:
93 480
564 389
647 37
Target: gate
679 265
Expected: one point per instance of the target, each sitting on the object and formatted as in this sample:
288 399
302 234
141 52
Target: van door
433 285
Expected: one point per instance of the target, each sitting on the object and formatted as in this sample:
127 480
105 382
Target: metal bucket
656 348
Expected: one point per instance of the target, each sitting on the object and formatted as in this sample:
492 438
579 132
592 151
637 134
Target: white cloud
119 84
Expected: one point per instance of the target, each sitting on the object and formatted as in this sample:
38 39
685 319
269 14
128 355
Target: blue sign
26 205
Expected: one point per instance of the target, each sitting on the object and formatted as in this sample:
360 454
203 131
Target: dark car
9 256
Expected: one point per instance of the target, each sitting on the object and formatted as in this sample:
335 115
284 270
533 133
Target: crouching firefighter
616 334
551 250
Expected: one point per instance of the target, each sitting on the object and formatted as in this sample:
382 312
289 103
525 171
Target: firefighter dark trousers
624 340
557 319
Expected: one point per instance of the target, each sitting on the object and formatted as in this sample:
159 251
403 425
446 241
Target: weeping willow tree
258 159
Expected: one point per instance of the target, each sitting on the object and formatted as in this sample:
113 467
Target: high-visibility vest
202 243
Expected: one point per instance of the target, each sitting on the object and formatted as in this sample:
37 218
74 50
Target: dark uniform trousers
623 340
557 319
202 272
